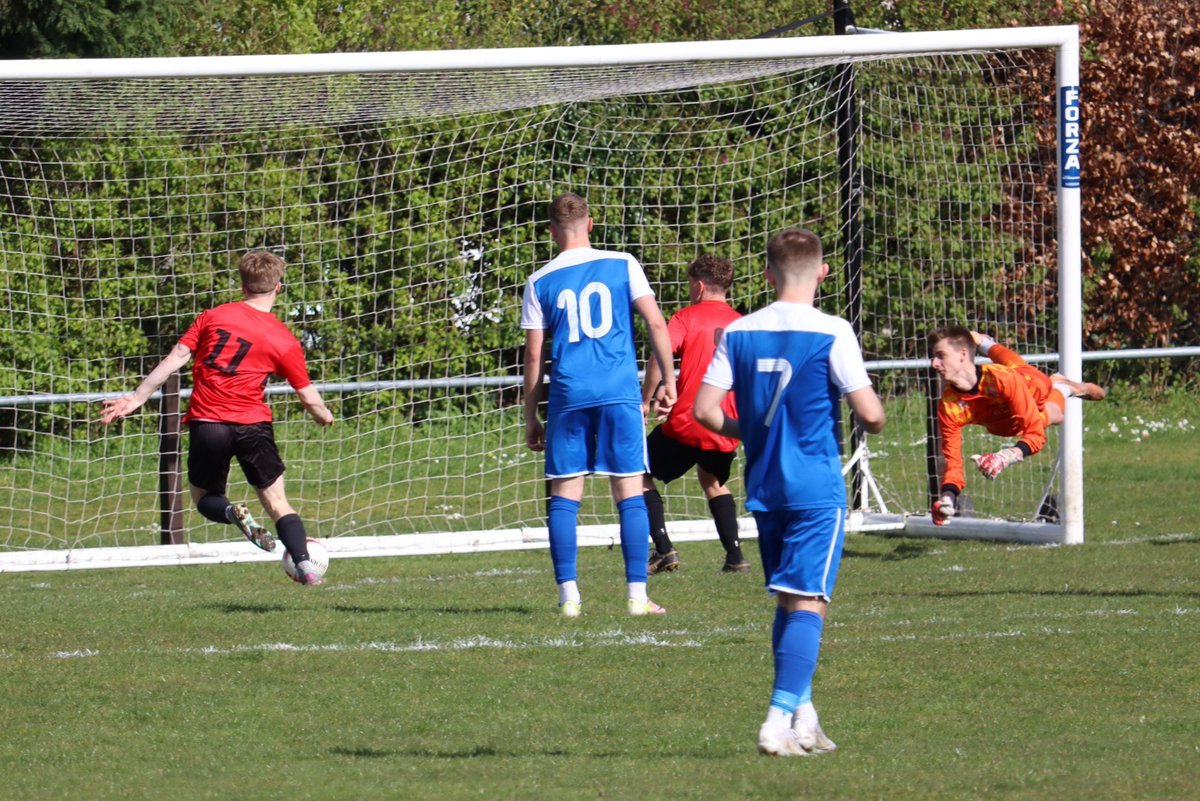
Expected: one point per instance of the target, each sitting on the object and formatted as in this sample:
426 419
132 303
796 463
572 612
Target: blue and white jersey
583 299
789 366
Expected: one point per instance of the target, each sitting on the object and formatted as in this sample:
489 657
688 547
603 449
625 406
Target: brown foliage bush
1141 172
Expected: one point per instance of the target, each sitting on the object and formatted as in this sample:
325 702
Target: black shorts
669 458
211 447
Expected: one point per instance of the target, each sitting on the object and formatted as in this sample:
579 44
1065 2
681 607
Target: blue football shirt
583 299
789 366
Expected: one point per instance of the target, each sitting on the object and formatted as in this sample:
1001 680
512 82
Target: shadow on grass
437 610
426 753
236 608
240 608
905 550
1081 593
1184 540
477 751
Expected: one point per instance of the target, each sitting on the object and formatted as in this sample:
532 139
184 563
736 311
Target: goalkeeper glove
992 464
943 510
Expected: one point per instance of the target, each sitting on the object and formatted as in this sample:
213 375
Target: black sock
290 531
213 507
658 521
724 512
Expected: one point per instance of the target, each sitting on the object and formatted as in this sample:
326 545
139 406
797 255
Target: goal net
407 193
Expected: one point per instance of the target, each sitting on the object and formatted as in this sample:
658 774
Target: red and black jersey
695 331
235 349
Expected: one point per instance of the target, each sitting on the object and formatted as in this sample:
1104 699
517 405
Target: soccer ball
316 554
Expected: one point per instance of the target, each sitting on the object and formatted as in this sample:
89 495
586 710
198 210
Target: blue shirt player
789 365
584 301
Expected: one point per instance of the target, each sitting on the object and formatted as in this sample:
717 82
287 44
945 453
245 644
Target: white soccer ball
316 554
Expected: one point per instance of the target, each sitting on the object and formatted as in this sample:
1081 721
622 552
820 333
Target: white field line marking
607 639
847 632
981 635
518 573
80 654
1179 537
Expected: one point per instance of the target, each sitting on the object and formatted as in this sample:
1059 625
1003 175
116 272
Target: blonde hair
795 253
261 270
568 208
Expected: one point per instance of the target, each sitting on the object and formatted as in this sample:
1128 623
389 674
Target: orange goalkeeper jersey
1009 400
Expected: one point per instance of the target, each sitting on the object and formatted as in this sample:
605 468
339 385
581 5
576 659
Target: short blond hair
568 208
795 253
261 270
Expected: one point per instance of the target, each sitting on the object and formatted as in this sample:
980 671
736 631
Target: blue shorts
801 550
604 440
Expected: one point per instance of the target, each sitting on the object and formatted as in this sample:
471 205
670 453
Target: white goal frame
1063 40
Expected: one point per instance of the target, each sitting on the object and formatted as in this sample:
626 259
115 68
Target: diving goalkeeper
1008 397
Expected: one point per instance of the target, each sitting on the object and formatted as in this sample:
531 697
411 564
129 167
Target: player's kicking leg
250 527
291 530
217 508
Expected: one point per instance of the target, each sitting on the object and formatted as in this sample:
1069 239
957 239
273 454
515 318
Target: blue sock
635 537
781 618
564 546
796 659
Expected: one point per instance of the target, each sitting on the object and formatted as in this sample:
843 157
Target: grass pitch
950 670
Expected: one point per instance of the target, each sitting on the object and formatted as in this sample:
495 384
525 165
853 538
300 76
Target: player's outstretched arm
117 408
310 398
1026 415
992 464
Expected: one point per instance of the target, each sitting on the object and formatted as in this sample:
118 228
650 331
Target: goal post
407 193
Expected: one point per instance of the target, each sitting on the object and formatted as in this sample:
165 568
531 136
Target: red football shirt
235 349
695 331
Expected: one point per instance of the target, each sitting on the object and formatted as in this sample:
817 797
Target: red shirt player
681 443
237 347
1008 397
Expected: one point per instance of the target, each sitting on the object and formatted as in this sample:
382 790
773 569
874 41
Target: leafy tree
88 28
1141 174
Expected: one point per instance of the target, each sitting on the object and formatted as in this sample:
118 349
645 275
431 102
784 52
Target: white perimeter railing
475 541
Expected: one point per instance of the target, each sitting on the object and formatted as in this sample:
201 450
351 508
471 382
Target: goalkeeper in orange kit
1007 397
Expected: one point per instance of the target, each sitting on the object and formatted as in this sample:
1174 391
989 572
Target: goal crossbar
814 47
